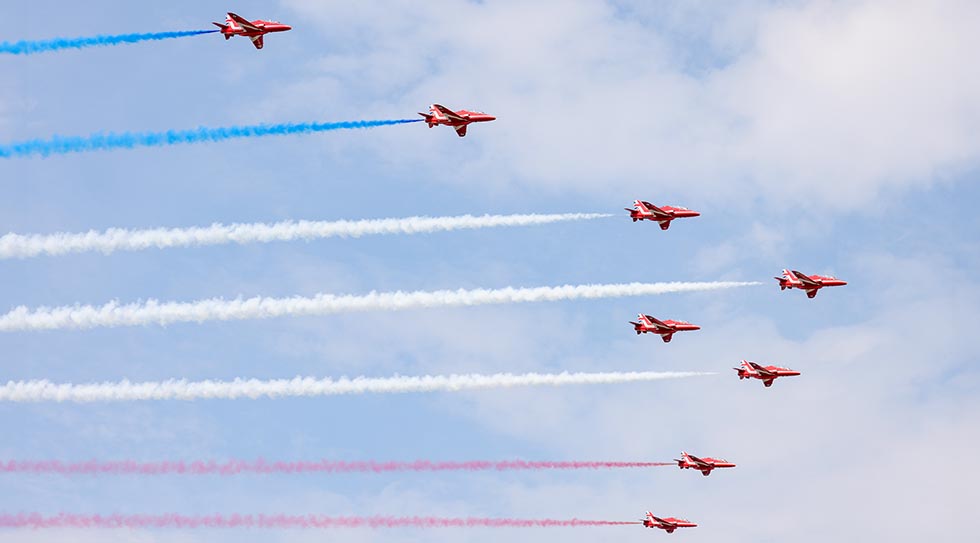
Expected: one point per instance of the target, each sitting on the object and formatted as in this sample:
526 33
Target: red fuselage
702 464
668 524
236 25
665 328
441 115
645 211
264 27
766 374
807 283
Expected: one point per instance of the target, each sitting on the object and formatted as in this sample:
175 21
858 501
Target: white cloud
825 103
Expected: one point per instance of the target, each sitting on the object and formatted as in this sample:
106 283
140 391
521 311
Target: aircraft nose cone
491 118
286 27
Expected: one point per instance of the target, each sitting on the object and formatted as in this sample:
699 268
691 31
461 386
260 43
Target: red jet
645 211
239 26
457 119
811 284
768 374
668 524
704 465
665 328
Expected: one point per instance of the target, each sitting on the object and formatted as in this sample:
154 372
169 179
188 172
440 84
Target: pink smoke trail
38 521
237 467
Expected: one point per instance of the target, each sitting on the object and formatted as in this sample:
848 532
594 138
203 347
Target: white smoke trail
155 312
46 391
120 239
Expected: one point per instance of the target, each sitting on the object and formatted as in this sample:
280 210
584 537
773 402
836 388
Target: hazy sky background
831 137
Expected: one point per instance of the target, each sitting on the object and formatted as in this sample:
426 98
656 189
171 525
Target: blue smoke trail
25 47
59 145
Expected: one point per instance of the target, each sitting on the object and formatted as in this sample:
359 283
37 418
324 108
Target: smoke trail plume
171 520
118 239
26 47
46 391
58 145
259 307
239 467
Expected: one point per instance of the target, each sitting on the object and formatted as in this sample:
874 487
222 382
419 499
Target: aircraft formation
642 210
236 25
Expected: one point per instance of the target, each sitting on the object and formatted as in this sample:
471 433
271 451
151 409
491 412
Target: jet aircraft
809 283
236 25
665 329
767 374
645 211
704 465
457 119
668 524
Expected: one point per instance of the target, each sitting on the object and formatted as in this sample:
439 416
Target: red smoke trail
236 467
38 521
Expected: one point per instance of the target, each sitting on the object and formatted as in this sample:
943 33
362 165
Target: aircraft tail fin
224 30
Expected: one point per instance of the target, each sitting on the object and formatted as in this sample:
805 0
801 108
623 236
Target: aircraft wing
760 369
654 209
657 323
698 461
461 130
258 42
448 112
805 280
245 23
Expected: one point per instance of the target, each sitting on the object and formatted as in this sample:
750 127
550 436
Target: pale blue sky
829 137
